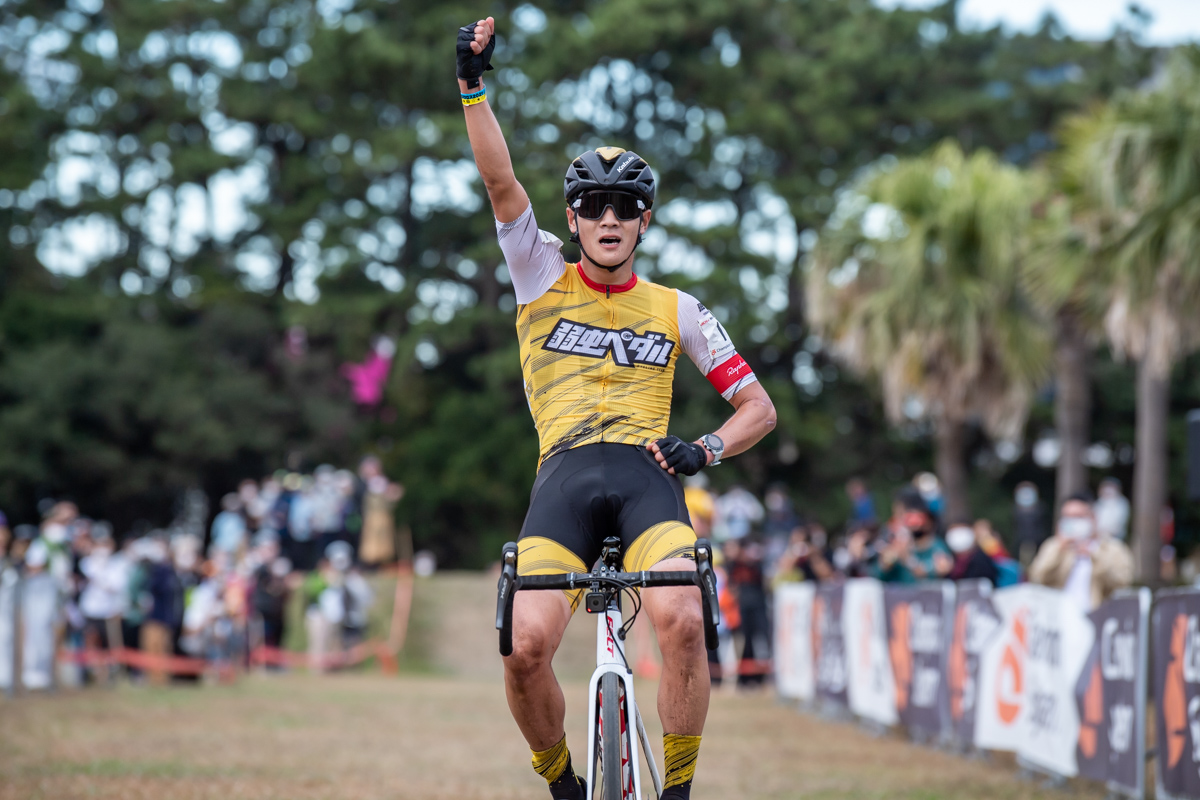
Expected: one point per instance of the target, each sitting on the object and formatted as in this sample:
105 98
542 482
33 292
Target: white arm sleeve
534 257
710 348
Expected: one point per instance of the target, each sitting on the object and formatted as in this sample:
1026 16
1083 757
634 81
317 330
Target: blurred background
216 213
256 330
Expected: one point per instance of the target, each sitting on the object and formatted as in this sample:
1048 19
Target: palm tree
1062 277
915 280
1137 162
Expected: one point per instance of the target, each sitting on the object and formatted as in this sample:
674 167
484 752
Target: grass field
439 731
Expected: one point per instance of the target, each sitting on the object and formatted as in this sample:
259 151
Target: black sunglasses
593 204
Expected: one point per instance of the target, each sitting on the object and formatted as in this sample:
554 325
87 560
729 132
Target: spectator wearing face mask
104 598
1086 565
41 617
914 552
165 613
970 560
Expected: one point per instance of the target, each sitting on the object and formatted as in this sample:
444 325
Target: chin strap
575 240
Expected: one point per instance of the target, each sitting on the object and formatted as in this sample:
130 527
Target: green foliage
917 281
1136 163
120 403
270 163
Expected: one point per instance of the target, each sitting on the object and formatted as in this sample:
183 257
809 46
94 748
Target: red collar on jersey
600 287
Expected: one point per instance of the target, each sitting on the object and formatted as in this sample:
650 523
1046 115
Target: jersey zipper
612 324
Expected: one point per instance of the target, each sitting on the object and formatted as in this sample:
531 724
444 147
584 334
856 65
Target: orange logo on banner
1174 693
901 652
1012 666
1093 713
956 669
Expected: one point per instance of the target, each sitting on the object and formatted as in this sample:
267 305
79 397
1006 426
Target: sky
1173 21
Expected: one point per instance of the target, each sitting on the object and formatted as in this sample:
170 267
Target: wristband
474 99
472 95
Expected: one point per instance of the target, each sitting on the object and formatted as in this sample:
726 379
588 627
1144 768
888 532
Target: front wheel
611 737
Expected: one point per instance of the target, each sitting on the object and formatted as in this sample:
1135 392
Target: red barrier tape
181 665
149 662
750 666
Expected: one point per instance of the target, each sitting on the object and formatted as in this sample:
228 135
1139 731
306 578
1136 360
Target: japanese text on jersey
627 347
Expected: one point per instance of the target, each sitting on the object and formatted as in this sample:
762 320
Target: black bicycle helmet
610 168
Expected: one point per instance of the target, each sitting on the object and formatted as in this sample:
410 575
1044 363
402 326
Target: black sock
568 786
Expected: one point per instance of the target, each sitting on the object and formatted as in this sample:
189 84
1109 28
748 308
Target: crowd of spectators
73 592
762 543
222 593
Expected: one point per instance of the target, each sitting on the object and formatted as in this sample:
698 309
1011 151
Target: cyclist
598 350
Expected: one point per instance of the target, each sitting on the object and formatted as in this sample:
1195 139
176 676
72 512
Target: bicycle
612 710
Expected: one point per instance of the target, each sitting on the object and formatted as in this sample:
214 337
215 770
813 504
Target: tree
1137 161
916 281
305 163
1065 283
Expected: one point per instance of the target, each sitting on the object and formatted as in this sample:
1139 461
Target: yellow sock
552 763
679 760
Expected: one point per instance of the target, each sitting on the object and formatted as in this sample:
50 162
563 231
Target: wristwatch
713 444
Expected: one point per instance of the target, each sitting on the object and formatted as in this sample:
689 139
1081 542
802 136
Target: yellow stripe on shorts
663 541
537 555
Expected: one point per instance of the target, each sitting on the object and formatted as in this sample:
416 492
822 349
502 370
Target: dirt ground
370 737
438 731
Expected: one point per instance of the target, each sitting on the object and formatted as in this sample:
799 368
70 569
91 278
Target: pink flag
368 378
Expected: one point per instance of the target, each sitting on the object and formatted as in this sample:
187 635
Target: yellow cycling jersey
598 361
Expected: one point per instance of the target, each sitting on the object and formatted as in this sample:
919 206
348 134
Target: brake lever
711 605
505 592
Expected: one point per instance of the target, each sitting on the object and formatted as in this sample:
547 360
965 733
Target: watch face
714 442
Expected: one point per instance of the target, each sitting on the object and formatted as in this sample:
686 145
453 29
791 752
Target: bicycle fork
610 658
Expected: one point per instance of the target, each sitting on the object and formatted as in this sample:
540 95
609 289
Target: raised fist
476 43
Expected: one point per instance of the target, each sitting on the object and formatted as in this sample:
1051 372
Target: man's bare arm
753 418
508 197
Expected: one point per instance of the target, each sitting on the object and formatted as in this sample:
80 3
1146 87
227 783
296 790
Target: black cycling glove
686 458
470 64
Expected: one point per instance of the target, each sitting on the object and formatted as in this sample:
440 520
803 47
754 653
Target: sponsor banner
1027 678
917 636
870 686
794 676
1109 692
974 625
1176 624
829 646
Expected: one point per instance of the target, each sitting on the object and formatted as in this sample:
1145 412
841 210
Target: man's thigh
665 605
539 620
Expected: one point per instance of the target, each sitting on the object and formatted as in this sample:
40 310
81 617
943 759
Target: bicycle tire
611 773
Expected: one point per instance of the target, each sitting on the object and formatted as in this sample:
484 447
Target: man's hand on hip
679 457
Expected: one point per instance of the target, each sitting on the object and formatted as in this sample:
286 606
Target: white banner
1027 678
793 641
871 687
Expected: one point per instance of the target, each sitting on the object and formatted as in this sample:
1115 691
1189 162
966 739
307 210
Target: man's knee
532 651
680 624
539 620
